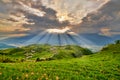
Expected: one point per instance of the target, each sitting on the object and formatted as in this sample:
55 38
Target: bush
117 41
105 48
41 59
22 60
68 47
7 60
87 52
38 59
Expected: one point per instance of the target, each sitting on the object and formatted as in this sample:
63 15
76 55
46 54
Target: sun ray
59 39
49 37
34 40
71 37
66 39
42 37
63 41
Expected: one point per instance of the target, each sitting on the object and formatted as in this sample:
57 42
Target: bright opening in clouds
58 30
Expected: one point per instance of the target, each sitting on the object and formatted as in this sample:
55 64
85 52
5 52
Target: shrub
87 52
117 41
7 60
22 60
38 59
68 47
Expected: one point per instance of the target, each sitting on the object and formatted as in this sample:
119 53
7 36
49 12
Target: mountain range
87 39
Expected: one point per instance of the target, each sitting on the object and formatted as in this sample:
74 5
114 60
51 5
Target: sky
68 18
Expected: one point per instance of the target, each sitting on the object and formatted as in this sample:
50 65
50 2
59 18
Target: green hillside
42 52
68 63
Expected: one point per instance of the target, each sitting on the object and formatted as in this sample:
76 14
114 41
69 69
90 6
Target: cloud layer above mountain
25 17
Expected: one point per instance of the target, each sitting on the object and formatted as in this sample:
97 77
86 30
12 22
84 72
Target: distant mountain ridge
4 46
97 39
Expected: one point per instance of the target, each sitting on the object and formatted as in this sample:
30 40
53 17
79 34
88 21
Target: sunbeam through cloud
59 22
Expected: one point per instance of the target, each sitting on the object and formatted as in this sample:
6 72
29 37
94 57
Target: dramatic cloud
31 10
105 21
36 15
105 31
59 18
73 10
108 32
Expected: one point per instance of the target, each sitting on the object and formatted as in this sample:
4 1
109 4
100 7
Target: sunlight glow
64 17
58 30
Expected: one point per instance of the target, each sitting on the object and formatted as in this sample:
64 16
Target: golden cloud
73 11
106 31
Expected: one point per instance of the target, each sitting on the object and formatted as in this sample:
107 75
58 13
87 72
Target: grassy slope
104 65
33 52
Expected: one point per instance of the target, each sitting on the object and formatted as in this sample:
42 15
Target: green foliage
38 59
112 48
117 41
99 66
71 52
6 60
104 65
46 51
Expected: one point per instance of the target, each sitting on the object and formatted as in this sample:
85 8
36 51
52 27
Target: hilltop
43 52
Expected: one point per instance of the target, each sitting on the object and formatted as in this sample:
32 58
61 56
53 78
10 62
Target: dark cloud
34 17
106 17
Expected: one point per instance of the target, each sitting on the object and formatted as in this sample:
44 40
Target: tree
117 41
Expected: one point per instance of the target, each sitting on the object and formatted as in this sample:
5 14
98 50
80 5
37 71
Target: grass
34 52
104 65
